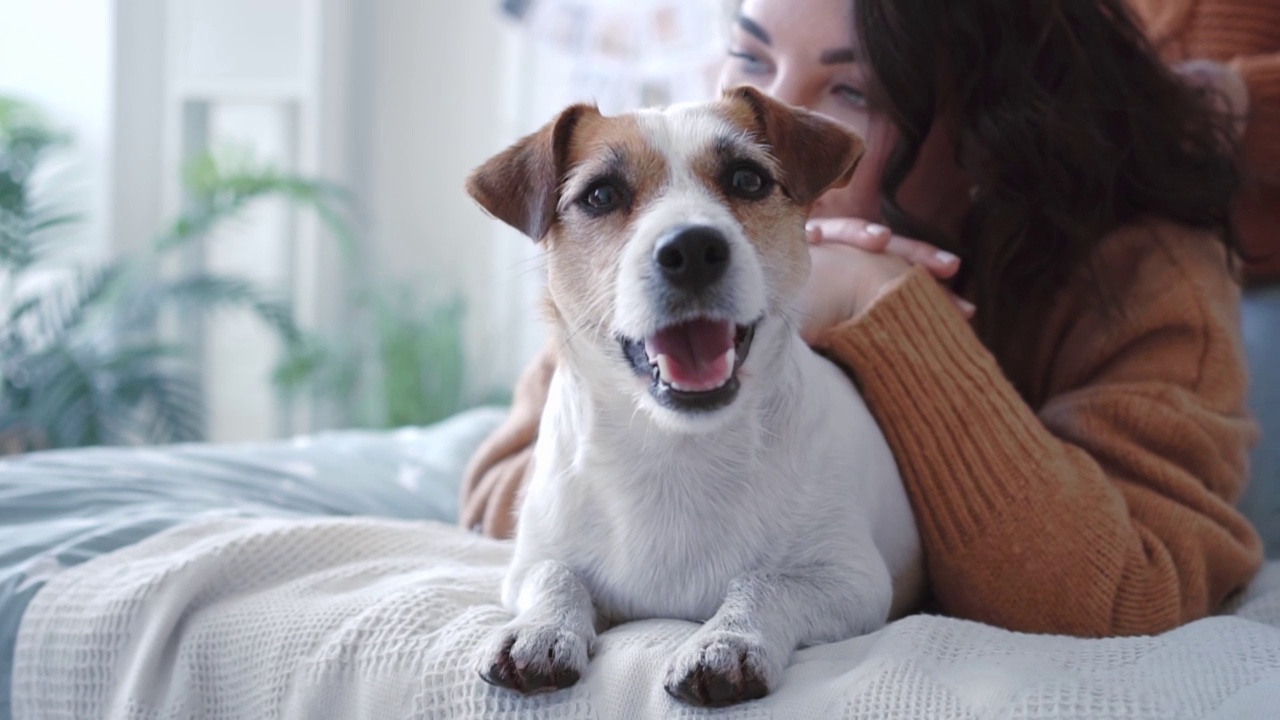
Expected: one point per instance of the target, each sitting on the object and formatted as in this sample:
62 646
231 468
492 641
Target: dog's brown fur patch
584 252
774 224
808 154
814 153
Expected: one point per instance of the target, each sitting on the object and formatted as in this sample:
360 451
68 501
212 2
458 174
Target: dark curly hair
1067 119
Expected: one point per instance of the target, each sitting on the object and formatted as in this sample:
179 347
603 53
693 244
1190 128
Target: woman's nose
791 89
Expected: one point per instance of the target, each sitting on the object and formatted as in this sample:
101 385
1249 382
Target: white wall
59 55
433 70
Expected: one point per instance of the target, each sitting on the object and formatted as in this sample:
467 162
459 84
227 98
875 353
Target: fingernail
968 307
946 258
874 229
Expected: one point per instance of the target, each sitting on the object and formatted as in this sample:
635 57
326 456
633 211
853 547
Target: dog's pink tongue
696 353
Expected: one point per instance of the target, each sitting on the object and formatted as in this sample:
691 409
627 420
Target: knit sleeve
1106 512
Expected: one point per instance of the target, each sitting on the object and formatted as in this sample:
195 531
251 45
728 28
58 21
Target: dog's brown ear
815 153
519 185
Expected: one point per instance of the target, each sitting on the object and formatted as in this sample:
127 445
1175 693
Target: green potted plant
82 361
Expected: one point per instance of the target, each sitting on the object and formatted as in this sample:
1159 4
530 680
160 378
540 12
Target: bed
322 577
61 509
242 617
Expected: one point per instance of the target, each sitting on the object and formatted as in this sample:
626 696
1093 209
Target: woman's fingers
852 231
877 238
940 263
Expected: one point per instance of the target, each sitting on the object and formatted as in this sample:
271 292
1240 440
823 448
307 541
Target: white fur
679 133
777 521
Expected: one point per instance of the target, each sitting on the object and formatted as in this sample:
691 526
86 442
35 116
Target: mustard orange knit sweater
1099 504
1246 35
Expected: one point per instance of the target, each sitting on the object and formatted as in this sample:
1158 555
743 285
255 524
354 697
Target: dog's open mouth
693 365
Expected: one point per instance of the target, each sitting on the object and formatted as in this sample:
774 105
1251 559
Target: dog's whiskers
539 260
527 271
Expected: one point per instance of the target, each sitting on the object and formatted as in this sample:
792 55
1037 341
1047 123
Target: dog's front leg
547 645
741 652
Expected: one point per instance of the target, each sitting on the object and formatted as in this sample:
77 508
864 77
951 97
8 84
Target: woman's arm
1108 509
501 465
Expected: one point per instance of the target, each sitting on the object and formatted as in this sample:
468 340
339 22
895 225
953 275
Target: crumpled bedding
368 618
59 509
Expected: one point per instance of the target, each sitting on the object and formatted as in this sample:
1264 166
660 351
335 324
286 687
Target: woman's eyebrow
839 56
753 28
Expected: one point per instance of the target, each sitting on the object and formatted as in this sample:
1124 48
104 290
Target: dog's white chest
676 538
660 523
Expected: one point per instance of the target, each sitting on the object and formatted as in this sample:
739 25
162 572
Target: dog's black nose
693 257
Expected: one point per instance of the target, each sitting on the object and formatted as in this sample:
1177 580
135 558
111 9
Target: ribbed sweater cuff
962 435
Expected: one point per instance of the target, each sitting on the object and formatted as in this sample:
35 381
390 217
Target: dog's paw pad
726 671
534 659
708 688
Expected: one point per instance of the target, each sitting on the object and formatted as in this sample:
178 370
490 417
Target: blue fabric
1261 501
59 509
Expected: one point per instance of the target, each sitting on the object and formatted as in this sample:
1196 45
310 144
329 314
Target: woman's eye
851 95
749 183
603 196
751 64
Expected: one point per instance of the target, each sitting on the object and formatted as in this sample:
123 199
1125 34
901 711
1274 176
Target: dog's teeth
663 365
648 352
730 357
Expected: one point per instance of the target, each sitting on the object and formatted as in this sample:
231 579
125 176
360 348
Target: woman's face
801 52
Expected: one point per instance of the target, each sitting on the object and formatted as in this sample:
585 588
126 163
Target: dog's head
674 237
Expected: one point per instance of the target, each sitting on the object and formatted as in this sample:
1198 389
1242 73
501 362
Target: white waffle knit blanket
357 618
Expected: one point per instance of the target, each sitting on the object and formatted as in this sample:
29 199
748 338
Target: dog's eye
749 182
602 196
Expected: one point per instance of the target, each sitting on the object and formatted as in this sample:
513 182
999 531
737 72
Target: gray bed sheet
1261 501
59 509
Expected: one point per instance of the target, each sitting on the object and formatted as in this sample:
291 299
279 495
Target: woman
1241 41
1030 275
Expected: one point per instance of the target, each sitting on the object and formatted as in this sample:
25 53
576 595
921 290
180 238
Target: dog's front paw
534 658
719 668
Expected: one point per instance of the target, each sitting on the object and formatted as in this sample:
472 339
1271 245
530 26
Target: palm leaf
167 402
135 393
62 397
57 311
221 188
25 236
177 409
210 292
79 364
16 250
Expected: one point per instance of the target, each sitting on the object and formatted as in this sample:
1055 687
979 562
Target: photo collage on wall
630 53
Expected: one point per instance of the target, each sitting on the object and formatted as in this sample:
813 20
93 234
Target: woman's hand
853 261
488 505
502 464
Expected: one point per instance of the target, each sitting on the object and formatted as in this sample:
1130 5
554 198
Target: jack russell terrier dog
696 459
